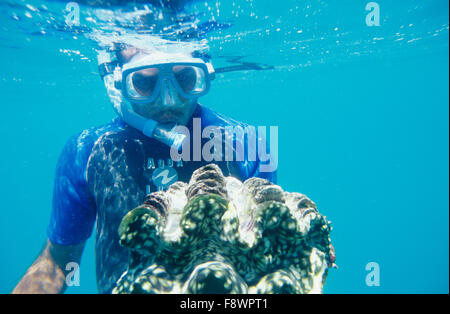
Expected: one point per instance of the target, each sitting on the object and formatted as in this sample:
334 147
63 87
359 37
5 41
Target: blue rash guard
105 172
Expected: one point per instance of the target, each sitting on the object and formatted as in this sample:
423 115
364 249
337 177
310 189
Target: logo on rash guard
164 177
161 173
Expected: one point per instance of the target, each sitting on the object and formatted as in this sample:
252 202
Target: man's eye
144 84
186 77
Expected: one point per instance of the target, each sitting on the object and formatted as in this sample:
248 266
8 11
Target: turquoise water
362 115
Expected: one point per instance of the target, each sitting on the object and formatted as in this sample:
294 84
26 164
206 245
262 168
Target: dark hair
119 48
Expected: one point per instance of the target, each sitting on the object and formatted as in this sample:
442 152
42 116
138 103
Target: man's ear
126 54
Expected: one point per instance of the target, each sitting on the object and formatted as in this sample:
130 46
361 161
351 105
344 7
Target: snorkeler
104 172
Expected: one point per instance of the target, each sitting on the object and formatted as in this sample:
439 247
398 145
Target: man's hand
47 274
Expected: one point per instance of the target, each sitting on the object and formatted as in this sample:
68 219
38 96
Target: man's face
169 106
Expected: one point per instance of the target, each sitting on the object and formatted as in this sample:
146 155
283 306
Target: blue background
365 135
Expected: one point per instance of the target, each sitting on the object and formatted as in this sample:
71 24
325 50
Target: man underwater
104 172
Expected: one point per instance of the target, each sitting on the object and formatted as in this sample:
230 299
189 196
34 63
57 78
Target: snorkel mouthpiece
165 133
169 137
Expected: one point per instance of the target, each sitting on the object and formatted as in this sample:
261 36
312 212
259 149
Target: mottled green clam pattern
219 235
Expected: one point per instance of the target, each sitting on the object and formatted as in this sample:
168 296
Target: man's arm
47 275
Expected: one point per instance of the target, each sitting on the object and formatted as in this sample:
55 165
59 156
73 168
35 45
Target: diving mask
142 81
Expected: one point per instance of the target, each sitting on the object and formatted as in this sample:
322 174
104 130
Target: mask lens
191 79
142 83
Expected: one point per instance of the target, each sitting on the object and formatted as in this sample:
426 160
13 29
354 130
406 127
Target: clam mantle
219 235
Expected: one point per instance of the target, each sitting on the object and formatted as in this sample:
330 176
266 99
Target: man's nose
168 93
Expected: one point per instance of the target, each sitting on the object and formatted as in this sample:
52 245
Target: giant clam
219 235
